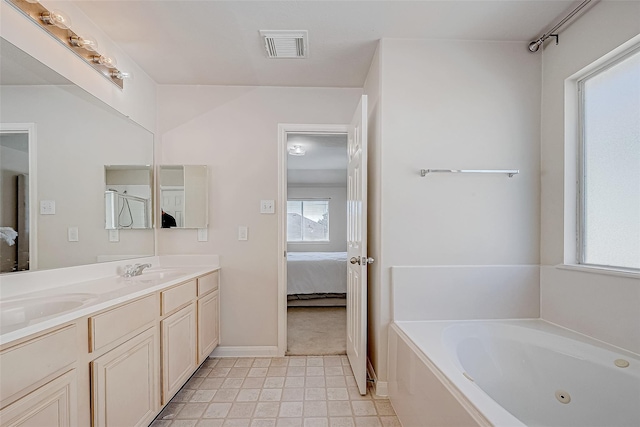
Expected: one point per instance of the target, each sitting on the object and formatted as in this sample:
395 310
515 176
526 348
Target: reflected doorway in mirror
17 182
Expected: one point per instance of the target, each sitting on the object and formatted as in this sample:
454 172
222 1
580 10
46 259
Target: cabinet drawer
107 327
207 283
28 363
178 296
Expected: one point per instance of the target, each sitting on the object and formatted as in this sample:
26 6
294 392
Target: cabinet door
52 405
208 335
178 350
124 382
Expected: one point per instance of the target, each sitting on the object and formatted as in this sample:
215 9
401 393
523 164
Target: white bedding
316 272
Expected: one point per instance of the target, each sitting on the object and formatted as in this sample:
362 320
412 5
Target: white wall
73 147
138 98
337 218
234 130
465 292
600 305
453 105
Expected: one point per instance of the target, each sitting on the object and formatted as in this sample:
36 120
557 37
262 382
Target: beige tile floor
295 391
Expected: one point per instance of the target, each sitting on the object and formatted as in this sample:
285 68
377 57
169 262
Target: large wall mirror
55 140
184 196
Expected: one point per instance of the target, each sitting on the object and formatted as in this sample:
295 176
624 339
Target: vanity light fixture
58 24
297 150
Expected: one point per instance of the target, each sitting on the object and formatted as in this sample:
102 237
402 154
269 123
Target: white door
173 204
357 246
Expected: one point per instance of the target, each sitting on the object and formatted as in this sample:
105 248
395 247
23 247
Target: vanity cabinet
115 367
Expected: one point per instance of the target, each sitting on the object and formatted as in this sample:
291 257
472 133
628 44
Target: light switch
243 232
203 234
47 207
267 207
72 234
114 235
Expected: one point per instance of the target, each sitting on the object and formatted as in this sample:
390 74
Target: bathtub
509 373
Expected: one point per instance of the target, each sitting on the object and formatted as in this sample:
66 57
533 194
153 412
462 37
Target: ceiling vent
286 44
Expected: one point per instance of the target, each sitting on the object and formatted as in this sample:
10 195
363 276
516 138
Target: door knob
368 260
354 260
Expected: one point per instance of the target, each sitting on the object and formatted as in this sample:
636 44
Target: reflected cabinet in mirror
184 196
55 140
127 197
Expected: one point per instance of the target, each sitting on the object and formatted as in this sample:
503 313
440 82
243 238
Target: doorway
358 259
17 192
316 240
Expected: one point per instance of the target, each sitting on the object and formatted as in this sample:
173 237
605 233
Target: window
609 165
307 220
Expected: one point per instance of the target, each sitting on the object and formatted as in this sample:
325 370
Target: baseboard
245 351
380 388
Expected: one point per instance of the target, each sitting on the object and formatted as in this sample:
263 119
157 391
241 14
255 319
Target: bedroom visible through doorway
316 233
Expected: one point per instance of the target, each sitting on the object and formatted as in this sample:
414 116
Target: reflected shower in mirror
128 197
74 135
184 196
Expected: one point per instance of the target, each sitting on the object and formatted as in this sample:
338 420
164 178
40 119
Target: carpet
316 331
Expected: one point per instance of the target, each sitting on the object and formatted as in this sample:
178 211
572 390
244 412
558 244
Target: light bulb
88 43
107 61
57 18
297 150
121 75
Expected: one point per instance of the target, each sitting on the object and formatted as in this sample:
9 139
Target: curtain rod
535 45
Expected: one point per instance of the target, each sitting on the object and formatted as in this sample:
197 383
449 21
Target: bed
316 274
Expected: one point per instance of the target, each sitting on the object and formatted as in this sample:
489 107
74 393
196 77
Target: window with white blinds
308 220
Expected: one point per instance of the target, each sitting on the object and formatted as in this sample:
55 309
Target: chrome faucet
134 270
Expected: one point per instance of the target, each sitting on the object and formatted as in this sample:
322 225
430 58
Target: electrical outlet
72 234
47 207
114 235
243 232
203 234
267 207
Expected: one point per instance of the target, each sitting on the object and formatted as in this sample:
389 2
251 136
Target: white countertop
95 293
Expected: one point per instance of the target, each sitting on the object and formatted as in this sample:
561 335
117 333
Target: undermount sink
20 312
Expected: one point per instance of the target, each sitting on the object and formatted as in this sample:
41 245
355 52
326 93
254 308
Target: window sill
599 270
319 242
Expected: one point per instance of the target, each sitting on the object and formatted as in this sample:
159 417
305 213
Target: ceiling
324 162
217 42
323 151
